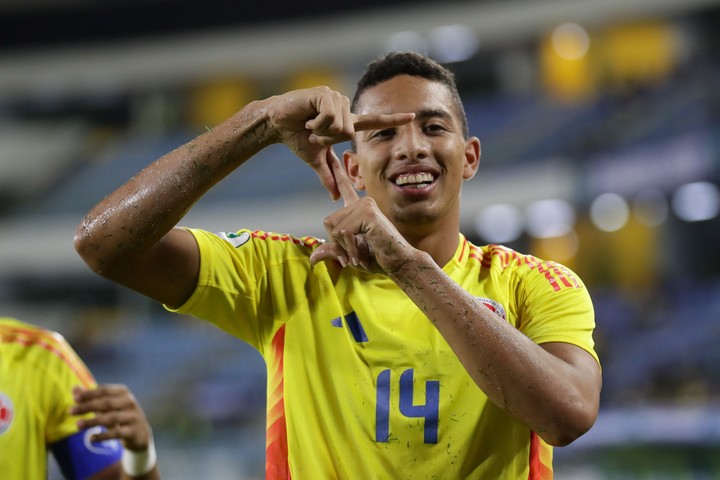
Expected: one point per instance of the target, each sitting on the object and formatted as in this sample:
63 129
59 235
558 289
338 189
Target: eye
434 128
386 133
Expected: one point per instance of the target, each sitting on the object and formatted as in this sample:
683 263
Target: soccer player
396 349
46 394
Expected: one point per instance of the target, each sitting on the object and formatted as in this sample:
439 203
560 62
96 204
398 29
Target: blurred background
600 132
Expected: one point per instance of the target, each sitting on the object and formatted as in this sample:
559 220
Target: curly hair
415 64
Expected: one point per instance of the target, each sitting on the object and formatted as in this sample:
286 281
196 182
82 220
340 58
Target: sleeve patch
235 239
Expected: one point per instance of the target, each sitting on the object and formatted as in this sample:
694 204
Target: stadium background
599 124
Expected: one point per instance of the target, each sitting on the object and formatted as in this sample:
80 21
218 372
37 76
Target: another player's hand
116 409
360 235
309 121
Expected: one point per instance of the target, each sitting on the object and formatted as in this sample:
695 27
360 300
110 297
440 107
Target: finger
324 172
328 251
348 117
331 120
78 391
109 434
382 120
342 181
108 420
364 255
106 390
350 246
94 401
100 405
356 247
129 435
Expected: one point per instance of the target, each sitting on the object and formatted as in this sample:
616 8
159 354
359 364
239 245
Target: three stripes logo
353 324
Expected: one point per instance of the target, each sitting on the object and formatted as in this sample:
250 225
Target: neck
440 244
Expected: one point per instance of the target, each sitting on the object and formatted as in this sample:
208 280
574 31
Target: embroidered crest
494 307
7 412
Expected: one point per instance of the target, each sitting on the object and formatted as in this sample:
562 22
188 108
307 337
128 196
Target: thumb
328 251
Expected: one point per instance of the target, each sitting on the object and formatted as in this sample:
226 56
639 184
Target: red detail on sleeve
53 343
277 466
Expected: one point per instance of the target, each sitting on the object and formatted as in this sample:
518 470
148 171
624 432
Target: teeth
414 178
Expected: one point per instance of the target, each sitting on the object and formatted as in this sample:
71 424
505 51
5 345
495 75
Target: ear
352 167
472 157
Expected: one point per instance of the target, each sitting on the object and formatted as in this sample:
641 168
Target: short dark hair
410 63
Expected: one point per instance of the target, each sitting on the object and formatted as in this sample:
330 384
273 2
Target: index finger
98 392
380 120
344 185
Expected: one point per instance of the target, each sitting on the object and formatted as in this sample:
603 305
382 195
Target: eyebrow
425 114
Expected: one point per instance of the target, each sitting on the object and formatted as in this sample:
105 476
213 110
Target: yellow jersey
38 370
360 383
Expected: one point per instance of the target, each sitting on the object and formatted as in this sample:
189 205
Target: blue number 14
428 411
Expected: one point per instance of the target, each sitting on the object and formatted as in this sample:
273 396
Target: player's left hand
116 409
361 236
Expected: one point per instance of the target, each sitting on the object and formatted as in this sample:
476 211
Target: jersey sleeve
249 281
555 305
76 455
65 370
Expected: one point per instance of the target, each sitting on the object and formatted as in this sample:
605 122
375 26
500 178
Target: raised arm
130 237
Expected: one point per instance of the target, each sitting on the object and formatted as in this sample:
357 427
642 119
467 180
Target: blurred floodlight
650 207
609 212
499 223
407 40
694 202
549 218
570 41
453 43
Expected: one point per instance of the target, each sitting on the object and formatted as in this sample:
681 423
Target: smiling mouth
414 180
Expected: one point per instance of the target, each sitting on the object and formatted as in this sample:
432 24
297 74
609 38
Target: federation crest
494 307
7 412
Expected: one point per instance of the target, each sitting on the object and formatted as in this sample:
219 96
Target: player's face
415 171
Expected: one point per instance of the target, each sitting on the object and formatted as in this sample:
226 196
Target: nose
411 144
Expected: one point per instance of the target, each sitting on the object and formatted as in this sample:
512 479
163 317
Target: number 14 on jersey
428 410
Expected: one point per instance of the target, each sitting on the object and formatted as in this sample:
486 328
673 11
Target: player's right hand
309 121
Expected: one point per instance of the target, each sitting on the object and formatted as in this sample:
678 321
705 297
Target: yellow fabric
336 391
38 370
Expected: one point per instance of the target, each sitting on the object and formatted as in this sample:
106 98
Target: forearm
143 210
530 384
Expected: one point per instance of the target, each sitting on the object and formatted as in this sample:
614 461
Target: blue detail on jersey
429 411
353 323
80 458
382 407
